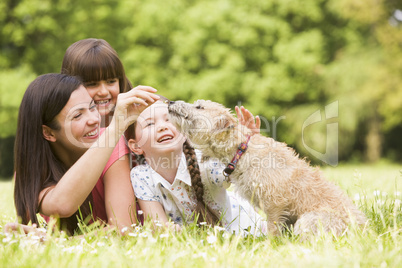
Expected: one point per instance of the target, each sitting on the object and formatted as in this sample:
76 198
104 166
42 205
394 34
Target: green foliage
278 58
12 88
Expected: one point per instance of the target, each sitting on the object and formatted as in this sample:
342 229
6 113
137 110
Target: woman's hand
14 227
130 104
246 119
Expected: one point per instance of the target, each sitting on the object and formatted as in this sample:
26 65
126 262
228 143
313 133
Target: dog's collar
240 150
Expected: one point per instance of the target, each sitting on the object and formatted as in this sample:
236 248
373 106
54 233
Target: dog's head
203 122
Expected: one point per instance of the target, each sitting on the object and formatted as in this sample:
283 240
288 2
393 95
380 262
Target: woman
60 153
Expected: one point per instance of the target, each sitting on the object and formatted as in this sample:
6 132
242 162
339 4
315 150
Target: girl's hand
246 119
174 227
130 104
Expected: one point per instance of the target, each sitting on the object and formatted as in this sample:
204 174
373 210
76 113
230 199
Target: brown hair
36 167
94 60
205 214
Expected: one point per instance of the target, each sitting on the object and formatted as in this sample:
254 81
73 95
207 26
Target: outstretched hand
246 119
14 227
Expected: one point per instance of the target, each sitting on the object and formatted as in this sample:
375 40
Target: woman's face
104 93
79 122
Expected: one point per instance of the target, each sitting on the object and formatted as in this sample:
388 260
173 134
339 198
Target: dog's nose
171 103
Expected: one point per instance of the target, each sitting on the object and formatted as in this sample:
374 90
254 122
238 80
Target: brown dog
269 173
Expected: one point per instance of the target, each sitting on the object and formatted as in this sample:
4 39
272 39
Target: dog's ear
132 144
224 123
223 128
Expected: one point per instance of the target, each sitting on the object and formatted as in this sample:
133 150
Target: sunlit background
282 59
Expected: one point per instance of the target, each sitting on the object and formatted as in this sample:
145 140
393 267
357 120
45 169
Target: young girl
61 156
102 72
172 183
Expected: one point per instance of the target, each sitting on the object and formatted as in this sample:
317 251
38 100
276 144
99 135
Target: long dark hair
94 60
36 166
201 209
205 214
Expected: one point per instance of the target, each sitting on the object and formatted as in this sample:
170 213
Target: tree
279 58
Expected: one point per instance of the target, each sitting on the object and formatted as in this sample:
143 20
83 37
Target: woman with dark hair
61 155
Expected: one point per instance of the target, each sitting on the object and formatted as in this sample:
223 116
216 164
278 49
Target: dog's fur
270 174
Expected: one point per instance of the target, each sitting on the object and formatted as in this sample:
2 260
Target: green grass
7 210
376 189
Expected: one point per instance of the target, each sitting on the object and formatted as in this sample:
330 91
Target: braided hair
205 214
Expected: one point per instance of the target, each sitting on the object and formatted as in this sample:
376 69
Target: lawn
375 188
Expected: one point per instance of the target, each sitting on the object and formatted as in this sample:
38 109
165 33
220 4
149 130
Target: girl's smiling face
155 135
104 93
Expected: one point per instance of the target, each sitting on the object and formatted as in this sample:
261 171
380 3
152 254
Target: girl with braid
172 184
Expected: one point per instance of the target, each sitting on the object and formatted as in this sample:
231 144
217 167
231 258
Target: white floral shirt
179 200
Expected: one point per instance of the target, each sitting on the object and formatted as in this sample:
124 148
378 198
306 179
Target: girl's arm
76 184
155 211
119 194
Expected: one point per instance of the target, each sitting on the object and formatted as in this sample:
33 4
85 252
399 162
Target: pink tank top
98 193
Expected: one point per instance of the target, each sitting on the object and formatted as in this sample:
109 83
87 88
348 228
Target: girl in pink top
102 73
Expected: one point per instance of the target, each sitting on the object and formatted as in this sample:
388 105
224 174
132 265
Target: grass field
376 189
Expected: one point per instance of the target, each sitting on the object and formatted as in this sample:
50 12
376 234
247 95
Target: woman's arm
76 184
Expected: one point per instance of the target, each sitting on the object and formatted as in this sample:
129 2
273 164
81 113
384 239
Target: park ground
376 189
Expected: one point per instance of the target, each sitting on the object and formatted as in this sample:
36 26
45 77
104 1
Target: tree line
279 58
